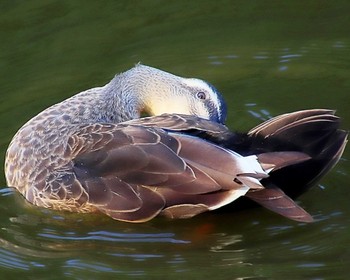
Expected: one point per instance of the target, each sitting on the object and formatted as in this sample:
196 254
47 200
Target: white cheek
161 106
178 106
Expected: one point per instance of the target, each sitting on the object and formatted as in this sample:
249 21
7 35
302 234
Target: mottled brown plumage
92 152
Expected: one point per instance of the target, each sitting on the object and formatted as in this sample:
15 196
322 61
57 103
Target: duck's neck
139 90
125 97
112 103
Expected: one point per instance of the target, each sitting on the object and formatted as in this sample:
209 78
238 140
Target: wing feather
127 169
135 170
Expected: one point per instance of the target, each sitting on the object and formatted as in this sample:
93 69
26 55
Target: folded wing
133 171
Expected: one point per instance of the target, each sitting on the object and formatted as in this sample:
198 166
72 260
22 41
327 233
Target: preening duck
94 152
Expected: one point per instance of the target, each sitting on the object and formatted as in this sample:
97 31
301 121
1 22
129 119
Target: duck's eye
201 95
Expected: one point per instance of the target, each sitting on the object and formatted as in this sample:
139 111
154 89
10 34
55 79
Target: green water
266 57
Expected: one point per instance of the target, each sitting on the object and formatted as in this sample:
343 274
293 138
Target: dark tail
313 132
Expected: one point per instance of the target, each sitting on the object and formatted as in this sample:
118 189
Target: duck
150 143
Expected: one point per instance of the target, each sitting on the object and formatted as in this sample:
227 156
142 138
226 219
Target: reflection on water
33 238
291 56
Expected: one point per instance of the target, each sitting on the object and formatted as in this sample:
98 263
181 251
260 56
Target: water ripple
117 237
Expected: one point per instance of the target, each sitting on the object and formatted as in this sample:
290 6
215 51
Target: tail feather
273 125
314 133
278 160
277 201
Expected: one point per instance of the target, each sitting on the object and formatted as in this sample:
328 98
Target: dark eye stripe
219 104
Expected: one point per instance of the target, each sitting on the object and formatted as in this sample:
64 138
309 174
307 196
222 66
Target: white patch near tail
232 195
249 176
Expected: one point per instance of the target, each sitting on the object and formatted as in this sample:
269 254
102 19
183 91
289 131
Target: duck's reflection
34 238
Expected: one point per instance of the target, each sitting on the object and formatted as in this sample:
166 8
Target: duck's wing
272 198
188 124
134 172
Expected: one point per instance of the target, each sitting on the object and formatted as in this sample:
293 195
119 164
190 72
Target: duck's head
157 92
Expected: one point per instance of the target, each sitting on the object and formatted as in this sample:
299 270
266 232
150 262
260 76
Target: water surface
266 57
